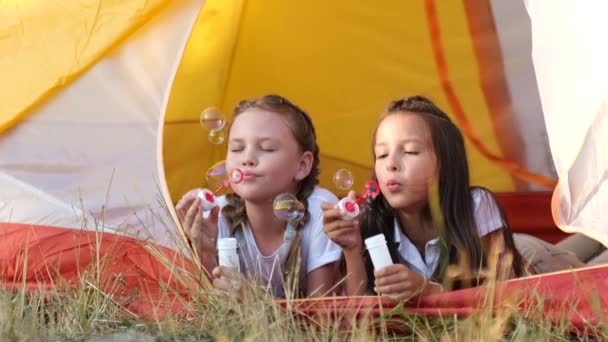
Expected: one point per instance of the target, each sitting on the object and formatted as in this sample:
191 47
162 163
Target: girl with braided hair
274 143
417 148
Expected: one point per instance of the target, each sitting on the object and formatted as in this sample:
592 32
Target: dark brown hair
459 240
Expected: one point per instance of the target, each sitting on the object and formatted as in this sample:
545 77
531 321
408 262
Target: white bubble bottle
378 251
227 253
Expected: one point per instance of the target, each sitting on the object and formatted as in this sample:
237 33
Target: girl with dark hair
274 143
417 148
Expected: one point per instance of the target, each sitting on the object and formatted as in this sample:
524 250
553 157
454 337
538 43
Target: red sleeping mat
41 257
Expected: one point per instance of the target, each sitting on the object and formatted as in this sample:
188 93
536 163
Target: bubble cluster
214 121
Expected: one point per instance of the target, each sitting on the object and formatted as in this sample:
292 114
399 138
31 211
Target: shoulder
482 196
487 213
318 196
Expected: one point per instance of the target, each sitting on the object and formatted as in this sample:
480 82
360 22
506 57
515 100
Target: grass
80 315
90 311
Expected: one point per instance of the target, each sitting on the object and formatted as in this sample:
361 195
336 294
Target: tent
100 101
141 73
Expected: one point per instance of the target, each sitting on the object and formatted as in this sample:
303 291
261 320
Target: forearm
431 288
208 258
321 281
356 276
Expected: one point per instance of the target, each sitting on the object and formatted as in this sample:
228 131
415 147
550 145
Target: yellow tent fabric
44 45
342 62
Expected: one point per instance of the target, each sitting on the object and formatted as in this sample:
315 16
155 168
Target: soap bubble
216 175
217 137
343 179
287 207
212 119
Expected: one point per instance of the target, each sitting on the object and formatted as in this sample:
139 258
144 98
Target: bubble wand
350 209
218 173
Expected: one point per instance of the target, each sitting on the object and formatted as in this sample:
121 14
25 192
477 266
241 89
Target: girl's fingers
185 202
222 284
393 278
403 296
197 227
230 272
189 219
395 288
338 225
388 270
217 272
343 231
213 216
229 281
332 214
327 205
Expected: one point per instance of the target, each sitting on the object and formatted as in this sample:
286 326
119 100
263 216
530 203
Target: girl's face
405 160
262 145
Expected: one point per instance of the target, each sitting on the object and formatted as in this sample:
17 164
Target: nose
249 159
248 162
393 164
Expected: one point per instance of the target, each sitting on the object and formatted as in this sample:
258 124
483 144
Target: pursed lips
248 176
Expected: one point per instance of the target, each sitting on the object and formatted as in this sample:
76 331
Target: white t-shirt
316 248
487 218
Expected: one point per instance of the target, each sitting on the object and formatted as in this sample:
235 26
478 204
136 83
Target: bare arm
356 276
201 232
320 282
347 234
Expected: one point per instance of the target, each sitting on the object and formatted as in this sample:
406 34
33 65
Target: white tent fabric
569 55
88 156
513 32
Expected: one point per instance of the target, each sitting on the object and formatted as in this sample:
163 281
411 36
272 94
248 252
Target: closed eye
415 153
267 147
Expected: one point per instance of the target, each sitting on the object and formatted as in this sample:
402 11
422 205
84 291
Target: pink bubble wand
208 197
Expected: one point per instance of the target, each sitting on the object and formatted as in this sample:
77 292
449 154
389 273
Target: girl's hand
201 232
344 232
228 281
399 282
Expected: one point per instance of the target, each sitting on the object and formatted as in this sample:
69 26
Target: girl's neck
267 230
418 227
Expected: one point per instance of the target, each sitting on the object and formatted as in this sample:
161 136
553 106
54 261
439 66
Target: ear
304 166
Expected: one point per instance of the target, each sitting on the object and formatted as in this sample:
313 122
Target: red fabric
530 213
129 269
579 297
54 257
